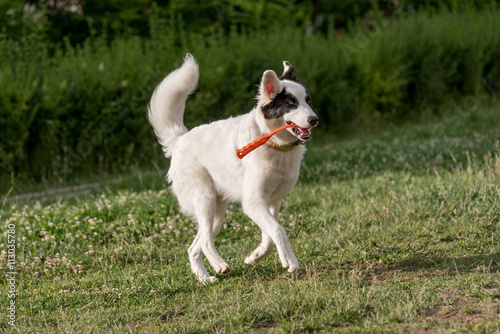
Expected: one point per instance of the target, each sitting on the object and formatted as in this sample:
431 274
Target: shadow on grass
459 264
433 266
420 266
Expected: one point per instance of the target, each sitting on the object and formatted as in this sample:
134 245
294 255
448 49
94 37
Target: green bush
454 5
82 109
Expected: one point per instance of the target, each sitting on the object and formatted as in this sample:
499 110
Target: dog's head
285 100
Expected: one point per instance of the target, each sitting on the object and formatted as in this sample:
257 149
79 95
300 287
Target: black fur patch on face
283 103
308 99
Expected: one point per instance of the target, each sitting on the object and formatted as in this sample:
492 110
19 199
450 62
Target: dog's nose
313 120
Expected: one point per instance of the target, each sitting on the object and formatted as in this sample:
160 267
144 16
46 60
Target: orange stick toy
260 141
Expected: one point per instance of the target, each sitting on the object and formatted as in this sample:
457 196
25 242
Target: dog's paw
207 280
223 270
291 263
250 261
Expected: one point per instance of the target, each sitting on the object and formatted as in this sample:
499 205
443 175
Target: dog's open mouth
301 133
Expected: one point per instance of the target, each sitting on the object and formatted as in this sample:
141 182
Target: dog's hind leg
196 260
204 243
198 198
220 212
266 245
206 219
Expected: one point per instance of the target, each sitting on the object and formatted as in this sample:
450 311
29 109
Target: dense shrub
78 20
82 109
455 5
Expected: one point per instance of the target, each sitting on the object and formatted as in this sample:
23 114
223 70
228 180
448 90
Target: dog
205 173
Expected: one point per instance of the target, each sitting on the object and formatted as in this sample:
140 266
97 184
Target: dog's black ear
270 85
289 72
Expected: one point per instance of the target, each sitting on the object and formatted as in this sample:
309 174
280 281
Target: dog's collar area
284 147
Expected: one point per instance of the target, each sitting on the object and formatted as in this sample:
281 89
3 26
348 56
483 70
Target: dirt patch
170 315
265 326
395 274
462 310
414 330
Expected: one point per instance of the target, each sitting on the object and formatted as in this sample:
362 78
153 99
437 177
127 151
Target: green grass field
398 231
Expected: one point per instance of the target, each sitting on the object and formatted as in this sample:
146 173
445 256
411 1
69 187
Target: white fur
206 174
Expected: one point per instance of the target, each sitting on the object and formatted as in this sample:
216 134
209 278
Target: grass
395 232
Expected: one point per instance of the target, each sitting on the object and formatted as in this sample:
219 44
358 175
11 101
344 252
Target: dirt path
55 193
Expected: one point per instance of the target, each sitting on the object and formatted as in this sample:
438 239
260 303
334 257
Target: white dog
206 174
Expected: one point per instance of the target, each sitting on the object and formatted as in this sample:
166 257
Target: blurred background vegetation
76 75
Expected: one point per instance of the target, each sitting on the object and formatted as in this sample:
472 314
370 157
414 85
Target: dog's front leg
259 211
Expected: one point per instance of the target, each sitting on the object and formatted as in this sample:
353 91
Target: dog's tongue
303 132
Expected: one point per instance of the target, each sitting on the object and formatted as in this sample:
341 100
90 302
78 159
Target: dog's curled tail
166 108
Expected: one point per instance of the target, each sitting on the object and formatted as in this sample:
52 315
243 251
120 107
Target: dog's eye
292 102
308 100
